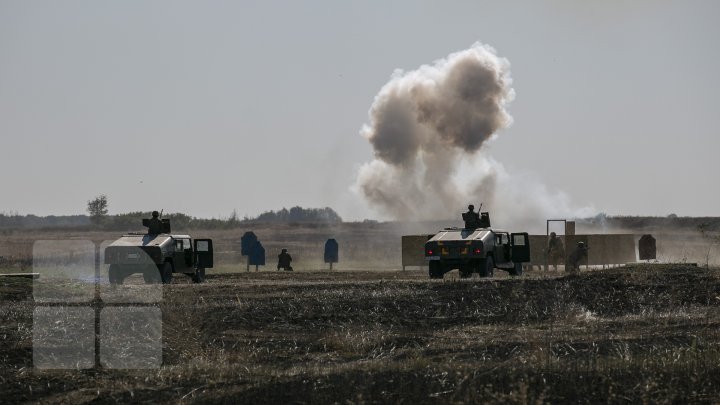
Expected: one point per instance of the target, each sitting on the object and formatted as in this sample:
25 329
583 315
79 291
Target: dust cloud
429 129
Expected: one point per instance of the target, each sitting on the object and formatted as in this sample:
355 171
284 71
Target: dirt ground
634 334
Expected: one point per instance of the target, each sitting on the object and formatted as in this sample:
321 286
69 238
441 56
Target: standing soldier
577 257
284 260
555 250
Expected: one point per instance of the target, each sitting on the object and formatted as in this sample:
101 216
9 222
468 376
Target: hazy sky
204 107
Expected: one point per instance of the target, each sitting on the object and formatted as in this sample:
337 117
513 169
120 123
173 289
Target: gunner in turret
471 218
154 224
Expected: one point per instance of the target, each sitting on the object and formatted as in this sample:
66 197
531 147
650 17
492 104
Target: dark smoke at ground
428 129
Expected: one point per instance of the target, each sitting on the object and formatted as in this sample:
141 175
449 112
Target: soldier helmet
155 214
283 250
471 207
553 234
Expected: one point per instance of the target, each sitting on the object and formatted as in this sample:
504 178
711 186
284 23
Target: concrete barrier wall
413 250
604 249
611 249
538 244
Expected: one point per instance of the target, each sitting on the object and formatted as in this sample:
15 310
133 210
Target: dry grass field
633 334
370 333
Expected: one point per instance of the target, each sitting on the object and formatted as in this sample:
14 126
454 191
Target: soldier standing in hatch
555 251
154 224
471 218
577 257
284 260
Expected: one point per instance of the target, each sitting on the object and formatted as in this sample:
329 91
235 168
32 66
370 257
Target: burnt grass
633 334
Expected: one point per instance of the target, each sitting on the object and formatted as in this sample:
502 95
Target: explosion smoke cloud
428 127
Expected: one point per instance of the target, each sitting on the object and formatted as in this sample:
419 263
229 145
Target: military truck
158 256
477 250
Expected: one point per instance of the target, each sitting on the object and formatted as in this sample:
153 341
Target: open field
648 333
371 333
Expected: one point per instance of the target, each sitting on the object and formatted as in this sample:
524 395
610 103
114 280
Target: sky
210 107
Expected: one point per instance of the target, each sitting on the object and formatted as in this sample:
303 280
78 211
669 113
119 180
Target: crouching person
284 260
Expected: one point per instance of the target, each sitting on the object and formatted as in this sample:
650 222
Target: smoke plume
428 127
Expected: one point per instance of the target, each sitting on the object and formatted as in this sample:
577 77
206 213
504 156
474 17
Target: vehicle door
520 247
502 247
180 254
204 253
188 253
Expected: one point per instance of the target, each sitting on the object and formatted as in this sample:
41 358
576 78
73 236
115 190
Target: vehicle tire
488 268
465 272
518 270
436 269
166 273
115 274
199 276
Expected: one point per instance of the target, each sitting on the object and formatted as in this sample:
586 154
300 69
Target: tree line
98 218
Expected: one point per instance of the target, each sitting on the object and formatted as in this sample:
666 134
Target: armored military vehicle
477 249
157 256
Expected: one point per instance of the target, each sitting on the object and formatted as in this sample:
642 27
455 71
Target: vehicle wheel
436 270
199 276
166 273
517 271
115 274
465 272
489 268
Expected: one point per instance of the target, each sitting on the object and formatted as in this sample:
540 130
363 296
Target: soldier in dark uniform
471 218
154 224
284 260
555 251
577 257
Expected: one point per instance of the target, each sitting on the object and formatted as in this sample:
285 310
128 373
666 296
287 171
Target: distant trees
97 208
299 214
131 220
17 221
